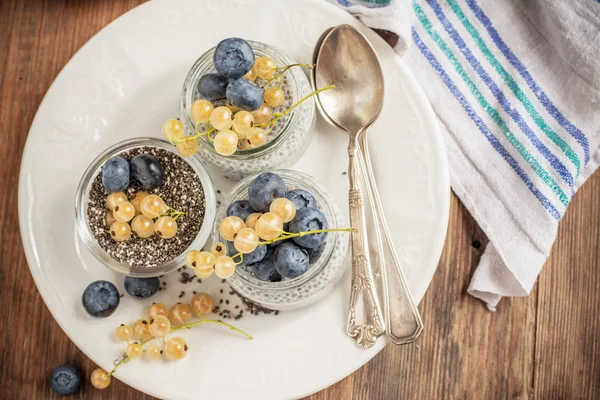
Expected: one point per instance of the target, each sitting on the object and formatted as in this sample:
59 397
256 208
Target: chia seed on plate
181 190
228 303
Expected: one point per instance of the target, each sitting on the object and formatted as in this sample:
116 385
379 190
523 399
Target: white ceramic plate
124 83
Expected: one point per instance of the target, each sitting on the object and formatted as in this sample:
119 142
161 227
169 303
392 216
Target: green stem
233 328
284 69
289 110
300 234
197 135
288 235
126 358
214 321
175 214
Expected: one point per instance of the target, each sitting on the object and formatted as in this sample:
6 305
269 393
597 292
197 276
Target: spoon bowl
344 58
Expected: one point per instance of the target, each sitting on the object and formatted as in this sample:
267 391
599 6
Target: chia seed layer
181 190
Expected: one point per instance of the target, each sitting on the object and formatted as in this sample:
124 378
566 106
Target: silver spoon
358 75
352 113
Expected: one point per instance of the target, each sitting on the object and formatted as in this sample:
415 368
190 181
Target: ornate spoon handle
403 322
363 296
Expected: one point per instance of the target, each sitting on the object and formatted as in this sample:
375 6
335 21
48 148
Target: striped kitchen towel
516 87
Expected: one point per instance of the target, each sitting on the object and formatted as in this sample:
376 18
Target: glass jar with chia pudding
289 136
323 273
185 186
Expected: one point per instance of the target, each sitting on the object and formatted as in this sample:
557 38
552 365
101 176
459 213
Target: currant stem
214 321
284 69
300 234
175 214
126 358
197 135
233 328
288 235
289 110
241 258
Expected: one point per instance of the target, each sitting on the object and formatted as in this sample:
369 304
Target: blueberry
314 254
309 219
240 208
250 258
212 86
66 380
290 260
245 95
100 299
233 58
115 174
147 171
264 189
141 288
265 269
301 198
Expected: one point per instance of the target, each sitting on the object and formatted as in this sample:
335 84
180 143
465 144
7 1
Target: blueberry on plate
314 254
290 260
141 288
257 255
100 299
233 58
301 198
245 95
213 86
240 208
264 189
147 171
309 219
115 174
65 380
265 269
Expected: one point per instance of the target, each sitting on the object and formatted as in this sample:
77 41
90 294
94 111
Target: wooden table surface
544 346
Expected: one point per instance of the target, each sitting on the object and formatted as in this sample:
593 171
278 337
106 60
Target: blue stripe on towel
483 128
344 3
535 88
504 102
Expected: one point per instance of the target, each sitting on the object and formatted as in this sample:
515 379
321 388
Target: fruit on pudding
233 58
264 189
278 244
147 171
115 174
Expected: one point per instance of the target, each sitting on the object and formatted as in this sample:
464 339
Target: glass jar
321 276
290 136
82 202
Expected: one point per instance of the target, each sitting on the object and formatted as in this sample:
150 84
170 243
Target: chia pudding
321 276
181 190
290 135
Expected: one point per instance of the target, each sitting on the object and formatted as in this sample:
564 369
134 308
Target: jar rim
81 204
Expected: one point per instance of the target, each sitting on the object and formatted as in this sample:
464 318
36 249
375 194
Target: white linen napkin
516 87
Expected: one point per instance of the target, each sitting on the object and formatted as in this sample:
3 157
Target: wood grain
543 346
